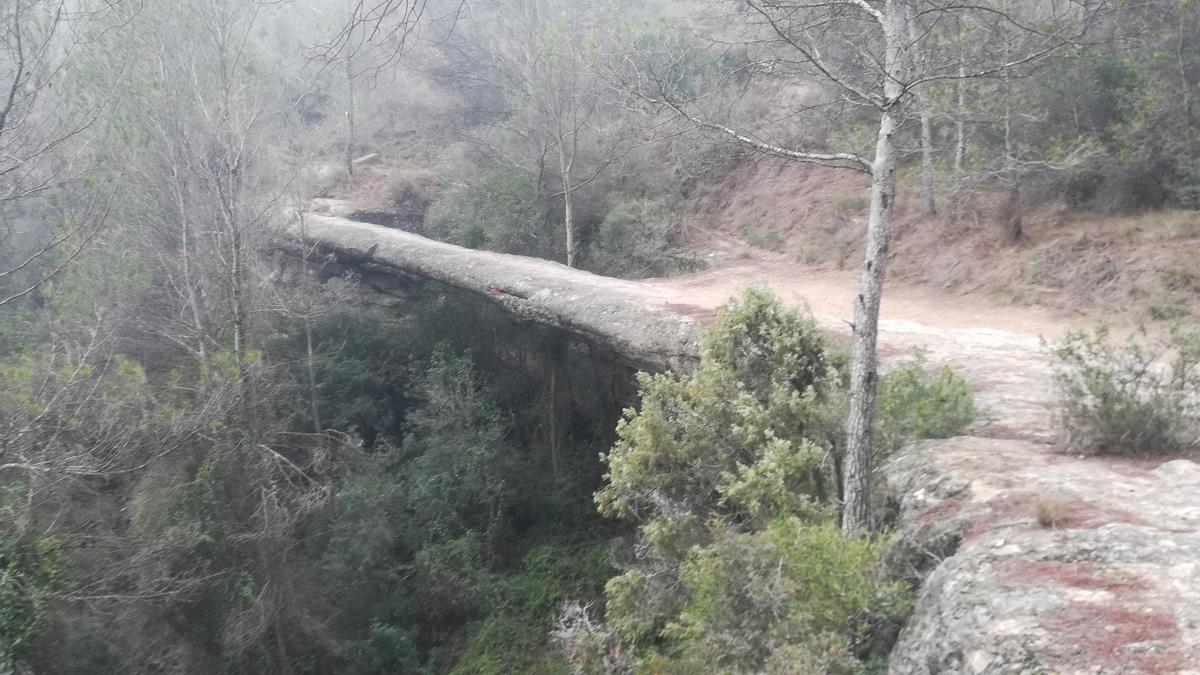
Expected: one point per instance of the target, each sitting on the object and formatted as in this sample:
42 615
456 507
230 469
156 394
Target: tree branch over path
873 53
847 160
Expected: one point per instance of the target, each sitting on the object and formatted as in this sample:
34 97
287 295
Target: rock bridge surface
634 320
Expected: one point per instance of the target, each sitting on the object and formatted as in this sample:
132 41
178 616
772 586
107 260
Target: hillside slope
1071 261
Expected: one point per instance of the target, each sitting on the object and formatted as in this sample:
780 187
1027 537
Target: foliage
754 425
1130 399
1128 99
741 567
914 403
494 209
457 475
778 598
637 239
638 220
435 520
30 573
158 397
360 369
388 648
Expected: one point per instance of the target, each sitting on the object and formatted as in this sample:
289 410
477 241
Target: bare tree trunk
569 224
1010 212
960 113
1184 84
564 166
189 275
928 200
350 118
960 124
864 371
554 415
237 289
285 663
1013 226
312 375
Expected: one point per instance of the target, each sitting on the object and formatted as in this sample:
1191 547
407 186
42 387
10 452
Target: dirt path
998 348
1112 588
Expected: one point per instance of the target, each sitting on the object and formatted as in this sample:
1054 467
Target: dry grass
1049 512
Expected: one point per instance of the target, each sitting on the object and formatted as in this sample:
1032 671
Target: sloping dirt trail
998 348
1113 588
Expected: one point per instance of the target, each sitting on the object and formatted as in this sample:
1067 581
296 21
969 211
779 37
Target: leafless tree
868 53
545 57
373 36
44 129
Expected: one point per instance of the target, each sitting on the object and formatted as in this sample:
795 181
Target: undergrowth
914 402
1136 398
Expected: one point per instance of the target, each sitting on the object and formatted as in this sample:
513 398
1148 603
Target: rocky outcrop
632 320
1111 585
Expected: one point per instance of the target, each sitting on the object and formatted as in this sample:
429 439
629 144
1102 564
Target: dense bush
355 393
450 550
1130 399
766 389
626 223
494 209
30 573
913 403
638 223
795 597
637 239
731 472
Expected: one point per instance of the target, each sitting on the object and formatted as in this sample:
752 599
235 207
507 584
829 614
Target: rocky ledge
1040 562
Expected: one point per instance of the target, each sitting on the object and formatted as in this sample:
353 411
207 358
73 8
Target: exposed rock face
632 320
1113 587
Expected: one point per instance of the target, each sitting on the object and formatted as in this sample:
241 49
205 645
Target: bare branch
847 160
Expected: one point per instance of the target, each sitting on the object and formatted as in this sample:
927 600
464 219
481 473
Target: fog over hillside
599 336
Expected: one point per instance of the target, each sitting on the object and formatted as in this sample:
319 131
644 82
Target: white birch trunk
864 371
564 166
928 199
350 130
960 120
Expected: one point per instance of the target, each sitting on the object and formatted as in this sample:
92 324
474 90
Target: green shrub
914 403
388 648
793 597
495 210
513 637
795 590
637 238
30 572
508 643
1125 400
745 434
731 473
